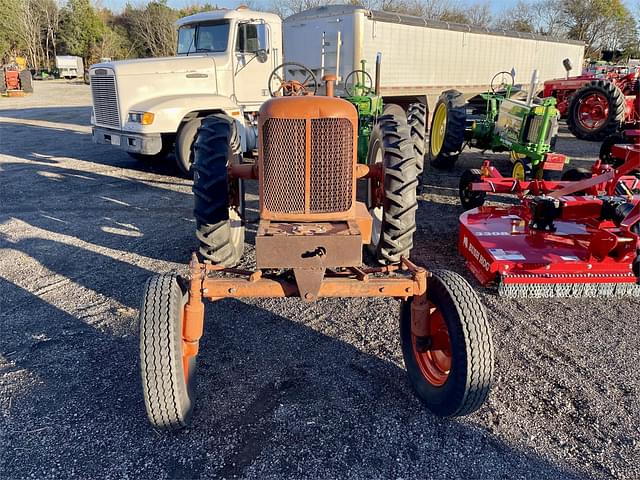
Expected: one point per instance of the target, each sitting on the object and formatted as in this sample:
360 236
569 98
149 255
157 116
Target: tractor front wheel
168 375
605 149
391 199
446 135
451 369
218 200
596 111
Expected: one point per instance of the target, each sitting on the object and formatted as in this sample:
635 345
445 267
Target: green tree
81 28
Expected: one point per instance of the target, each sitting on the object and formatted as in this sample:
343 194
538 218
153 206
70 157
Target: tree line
42 29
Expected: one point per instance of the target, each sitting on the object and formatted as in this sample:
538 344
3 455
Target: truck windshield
204 37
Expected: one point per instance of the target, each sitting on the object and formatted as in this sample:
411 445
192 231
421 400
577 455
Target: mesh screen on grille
283 149
331 165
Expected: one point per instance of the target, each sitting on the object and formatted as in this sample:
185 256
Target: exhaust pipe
378 62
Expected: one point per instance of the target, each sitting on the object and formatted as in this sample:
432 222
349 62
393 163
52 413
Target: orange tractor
15 78
309 244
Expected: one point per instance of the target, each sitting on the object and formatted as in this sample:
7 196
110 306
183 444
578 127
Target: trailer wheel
185 140
417 120
607 145
392 199
446 135
468 198
168 376
218 200
452 369
596 111
26 81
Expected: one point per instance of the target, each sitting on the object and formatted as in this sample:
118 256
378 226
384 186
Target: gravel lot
286 389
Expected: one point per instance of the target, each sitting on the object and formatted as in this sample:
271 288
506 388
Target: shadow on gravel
119 213
70 115
64 142
277 399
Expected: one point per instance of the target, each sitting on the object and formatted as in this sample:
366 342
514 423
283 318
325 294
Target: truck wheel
607 145
468 198
452 369
184 145
596 111
168 377
26 81
219 226
446 135
417 120
392 202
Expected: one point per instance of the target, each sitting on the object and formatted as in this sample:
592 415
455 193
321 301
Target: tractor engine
307 184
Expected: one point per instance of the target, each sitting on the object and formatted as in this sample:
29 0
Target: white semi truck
224 58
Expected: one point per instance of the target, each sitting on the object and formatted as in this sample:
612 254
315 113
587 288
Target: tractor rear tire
3 81
219 227
615 115
468 198
452 381
417 120
395 220
446 135
168 381
185 140
26 81
607 145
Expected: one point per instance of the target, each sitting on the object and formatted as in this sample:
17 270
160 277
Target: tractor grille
284 147
105 101
331 165
534 130
285 174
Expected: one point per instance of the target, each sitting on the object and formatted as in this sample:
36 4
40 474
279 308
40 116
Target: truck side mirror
261 55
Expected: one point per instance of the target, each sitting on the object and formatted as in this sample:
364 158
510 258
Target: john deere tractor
500 120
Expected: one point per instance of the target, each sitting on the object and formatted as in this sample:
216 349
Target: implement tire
596 111
446 135
219 226
168 378
394 219
451 371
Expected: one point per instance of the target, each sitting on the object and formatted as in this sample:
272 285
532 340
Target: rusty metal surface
307 245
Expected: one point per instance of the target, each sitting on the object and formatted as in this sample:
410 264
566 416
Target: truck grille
105 101
285 174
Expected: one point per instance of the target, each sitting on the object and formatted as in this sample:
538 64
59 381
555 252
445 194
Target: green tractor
499 120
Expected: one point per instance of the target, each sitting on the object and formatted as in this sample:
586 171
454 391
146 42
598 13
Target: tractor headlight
143 118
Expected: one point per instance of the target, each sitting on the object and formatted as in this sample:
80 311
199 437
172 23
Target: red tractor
14 80
596 104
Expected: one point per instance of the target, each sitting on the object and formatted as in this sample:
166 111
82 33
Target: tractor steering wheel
364 88
279 87
504 76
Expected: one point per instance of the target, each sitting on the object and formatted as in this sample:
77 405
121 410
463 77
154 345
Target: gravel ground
286 389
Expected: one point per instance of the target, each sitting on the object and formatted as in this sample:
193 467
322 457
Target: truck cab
223 59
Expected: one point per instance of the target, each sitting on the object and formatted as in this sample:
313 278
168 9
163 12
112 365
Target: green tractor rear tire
417 120
446 135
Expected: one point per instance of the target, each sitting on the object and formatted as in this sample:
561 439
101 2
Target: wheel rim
435 364
518 171
376 212
593 111
438 129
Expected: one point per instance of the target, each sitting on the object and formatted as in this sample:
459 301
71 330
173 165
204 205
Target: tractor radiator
307 165
535 125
